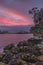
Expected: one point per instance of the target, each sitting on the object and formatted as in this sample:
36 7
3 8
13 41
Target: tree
37 15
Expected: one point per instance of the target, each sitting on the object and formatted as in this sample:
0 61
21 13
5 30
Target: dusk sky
15 12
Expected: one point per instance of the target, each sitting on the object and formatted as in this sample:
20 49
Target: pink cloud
10 18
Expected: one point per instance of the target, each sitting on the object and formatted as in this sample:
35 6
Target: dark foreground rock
25 53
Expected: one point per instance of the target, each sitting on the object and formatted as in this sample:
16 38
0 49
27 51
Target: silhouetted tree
37 15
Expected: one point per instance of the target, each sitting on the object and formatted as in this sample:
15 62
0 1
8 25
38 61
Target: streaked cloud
15 12
9 17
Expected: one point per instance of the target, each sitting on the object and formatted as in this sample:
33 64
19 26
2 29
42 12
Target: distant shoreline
15 33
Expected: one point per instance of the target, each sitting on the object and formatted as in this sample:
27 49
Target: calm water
6 39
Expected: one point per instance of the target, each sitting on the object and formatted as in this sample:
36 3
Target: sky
15 12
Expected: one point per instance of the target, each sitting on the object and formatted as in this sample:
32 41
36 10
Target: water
6 39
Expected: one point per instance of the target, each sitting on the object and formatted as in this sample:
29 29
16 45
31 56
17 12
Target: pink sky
10 17
15 12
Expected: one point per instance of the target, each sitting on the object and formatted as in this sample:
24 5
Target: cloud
20 5
9 17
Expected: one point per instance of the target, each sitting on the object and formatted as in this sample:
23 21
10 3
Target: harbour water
6 39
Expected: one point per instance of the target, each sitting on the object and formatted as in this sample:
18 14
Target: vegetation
37 14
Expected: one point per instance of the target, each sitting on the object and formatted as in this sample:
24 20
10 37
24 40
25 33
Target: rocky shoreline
25 53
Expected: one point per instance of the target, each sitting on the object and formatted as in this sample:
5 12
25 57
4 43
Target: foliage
37 14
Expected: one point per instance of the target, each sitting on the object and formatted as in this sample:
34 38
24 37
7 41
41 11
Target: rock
34 41
7 58
13 62
40 58
41 50
29 58
33 64
25 53
1 63
22 62
1 56
13 50
8 47
39 63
